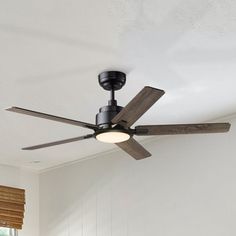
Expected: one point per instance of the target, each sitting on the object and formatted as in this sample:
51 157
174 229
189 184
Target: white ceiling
52 50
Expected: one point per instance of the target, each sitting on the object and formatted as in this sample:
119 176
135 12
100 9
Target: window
7 232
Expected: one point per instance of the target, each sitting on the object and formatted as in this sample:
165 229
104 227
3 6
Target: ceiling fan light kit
113 122
112 136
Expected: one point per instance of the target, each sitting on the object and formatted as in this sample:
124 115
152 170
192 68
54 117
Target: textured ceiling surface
53 50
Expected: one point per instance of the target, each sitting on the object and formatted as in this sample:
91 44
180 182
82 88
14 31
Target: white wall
188 187
16 177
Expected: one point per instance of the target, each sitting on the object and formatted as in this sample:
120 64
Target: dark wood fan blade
70 140
134 149
51 117
138 106
182 129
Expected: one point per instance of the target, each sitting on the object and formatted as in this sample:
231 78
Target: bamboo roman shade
12 201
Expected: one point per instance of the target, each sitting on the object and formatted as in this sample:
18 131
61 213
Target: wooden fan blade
134 149
182 129
70 140
137 106
51 117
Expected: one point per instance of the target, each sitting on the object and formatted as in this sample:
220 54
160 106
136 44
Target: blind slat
12 200
11 190
12 219
16 195
12 206
11 213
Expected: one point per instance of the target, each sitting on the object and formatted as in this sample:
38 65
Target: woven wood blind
12 201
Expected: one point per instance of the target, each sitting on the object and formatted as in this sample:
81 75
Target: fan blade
70 140
137 106
134 149
51 117
182 129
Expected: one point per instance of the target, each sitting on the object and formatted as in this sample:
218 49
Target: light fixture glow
112 137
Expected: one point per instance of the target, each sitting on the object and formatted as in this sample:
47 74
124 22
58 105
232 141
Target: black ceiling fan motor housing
106 114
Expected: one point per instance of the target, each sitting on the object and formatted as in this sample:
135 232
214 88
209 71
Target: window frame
11 231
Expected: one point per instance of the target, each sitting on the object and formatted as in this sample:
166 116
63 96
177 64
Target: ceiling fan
113 122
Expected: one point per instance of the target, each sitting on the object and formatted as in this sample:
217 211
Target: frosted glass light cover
113 137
